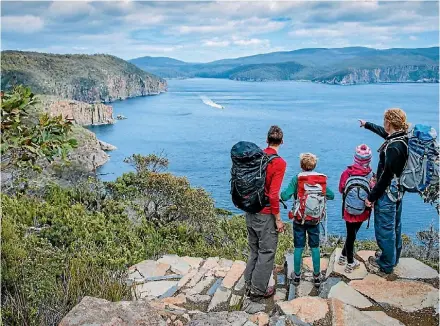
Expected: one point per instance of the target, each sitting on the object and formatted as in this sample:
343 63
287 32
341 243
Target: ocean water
198 121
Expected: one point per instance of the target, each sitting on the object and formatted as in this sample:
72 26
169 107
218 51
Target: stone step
334 269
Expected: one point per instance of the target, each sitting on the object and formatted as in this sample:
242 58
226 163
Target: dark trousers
352 230
388 231
300 231
263 241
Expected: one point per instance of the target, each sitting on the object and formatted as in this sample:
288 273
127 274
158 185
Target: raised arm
374 128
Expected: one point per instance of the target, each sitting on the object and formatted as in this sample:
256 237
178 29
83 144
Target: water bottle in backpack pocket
356 191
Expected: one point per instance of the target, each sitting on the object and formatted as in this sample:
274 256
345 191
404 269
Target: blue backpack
422 167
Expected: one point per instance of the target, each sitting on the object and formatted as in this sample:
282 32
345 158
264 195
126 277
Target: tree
26 136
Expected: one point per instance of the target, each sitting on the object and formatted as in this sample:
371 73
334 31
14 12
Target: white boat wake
210 102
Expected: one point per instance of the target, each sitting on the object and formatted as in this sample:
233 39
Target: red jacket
274 177
350 171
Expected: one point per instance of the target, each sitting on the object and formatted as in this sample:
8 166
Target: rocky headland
87 78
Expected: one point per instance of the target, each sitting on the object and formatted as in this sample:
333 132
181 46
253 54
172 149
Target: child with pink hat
355 185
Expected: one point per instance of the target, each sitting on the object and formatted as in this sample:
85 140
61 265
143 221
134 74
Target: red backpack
310 204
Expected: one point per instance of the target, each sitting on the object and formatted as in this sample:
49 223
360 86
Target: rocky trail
194 291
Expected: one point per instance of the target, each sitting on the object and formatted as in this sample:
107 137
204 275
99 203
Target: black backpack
248 176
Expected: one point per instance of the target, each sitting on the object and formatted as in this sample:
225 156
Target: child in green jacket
303 227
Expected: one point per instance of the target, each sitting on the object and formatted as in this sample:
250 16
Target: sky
207 31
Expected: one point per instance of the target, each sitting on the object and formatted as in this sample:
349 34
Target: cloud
216 43
134 28
22 24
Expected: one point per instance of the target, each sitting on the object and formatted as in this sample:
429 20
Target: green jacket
291 190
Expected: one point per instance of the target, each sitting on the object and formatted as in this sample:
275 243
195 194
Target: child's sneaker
352 266
317 280
342 260
296 278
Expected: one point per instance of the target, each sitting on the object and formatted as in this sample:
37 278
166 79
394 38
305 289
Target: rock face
88 78
100 312
408 296
81 113
393 74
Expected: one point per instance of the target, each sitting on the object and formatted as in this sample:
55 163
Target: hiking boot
352 266
378 253
373 267
296 278
317 280
342 260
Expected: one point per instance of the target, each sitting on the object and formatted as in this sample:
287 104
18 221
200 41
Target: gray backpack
357 189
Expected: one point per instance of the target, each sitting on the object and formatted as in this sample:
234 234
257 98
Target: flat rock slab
383 318
348 295
346 315
365 254
308 263
241 284
188 277
252 307
100 312
325 287
308 309
154 289
280 295
408 296
410 268
220 297
234 274
202 285
149 268
235 318
215 286
235 300
178 264
194 262
198 298
304 288
335 269
288 264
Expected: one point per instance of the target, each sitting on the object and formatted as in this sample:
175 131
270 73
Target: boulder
100 312
280 295
410 268
220 297
106 146
334 269
234 274
383 318
308 309
308 264
406 295
261 319
348 295
346 315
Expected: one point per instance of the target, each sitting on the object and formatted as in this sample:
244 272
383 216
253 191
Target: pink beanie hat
363 155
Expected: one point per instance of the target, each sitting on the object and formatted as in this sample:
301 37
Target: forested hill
351 65
87 78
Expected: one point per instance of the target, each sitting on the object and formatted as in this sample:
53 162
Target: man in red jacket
263 228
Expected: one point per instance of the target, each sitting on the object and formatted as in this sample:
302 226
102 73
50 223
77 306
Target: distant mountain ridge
86 78
351 65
